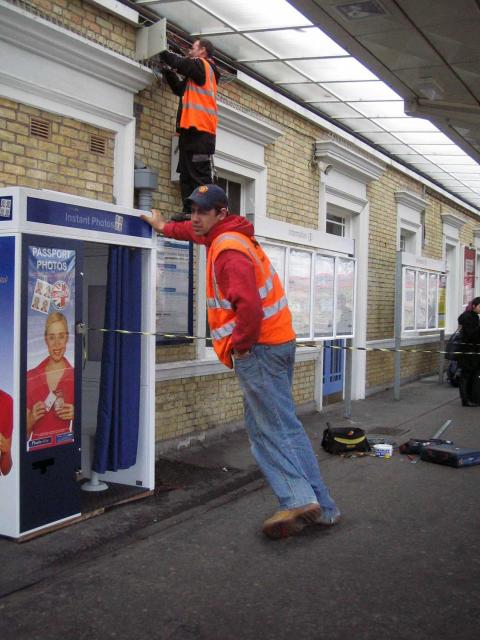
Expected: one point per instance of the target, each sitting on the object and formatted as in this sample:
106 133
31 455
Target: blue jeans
278 440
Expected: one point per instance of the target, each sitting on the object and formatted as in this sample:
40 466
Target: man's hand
156 220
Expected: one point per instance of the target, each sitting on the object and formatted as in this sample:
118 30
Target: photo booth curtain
116 437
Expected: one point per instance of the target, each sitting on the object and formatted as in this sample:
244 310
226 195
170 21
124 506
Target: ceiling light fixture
361 10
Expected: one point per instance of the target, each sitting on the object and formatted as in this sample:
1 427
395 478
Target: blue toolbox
451 455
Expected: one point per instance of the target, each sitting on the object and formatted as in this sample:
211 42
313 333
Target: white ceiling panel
405 124
276 71
438 149
337 109
359 124
252 14
334 70
309 92
421 137
299 43
240 48
359 91
384 109
189 17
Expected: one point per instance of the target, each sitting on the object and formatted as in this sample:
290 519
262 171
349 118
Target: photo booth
77 396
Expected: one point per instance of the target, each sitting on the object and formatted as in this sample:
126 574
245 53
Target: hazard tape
81 328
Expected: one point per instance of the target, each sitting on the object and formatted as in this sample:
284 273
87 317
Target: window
234 193
408 241
410 222
335 225
423 300
320 291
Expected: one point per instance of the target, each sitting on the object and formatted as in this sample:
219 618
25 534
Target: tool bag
344 440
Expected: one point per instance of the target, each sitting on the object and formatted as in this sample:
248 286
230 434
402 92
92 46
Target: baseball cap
208 196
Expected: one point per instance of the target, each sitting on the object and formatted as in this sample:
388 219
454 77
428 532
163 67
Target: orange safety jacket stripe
199 103
276 327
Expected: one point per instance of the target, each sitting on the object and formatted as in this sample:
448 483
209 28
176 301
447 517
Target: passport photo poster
50 347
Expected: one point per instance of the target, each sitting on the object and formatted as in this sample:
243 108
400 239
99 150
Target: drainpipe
145 183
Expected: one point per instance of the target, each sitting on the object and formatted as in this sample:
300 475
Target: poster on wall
173 287
323 295
7 266
442 287
276 255
421 306
468 275
50 393
409 300
432 300
299 278
345 276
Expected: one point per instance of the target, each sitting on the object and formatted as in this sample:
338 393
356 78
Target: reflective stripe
263 291
199 107
204 92
223 332
215 303
270 311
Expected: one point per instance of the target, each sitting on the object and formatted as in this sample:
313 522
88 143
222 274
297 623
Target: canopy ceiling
365 65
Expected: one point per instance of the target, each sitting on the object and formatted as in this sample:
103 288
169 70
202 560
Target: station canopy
289 48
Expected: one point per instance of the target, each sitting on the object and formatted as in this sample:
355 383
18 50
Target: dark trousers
195 169
469 370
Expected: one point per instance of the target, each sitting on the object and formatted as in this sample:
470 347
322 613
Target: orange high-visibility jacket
276 325
199 103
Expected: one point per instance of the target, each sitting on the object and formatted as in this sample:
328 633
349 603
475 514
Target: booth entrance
81 400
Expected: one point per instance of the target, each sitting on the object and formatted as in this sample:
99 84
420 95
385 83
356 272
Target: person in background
252 332
6 429
196 116
469 364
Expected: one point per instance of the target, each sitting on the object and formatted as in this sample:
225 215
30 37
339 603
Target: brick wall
64 162
87 20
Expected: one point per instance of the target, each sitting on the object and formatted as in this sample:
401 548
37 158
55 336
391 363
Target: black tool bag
344 440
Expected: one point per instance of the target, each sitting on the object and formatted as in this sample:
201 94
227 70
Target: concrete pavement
383 501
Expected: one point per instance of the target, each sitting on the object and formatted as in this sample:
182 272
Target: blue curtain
119 402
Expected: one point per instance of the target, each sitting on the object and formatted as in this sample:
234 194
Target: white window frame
454 293
336 257
410 210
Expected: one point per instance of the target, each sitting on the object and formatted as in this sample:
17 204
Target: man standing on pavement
196 115
251 329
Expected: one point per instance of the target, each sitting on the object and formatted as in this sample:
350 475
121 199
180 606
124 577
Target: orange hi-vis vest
199 103
276 325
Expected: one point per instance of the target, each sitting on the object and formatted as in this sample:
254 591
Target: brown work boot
291 521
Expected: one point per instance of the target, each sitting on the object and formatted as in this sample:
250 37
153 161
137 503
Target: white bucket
383 450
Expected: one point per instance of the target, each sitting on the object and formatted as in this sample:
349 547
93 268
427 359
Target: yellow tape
306 344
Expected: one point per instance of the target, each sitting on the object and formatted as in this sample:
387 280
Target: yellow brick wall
87 20
381 270
63 163
202 403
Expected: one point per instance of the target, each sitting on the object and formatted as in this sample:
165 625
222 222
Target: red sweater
235 276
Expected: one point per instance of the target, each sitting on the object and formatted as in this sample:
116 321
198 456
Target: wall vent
98 145
40 128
